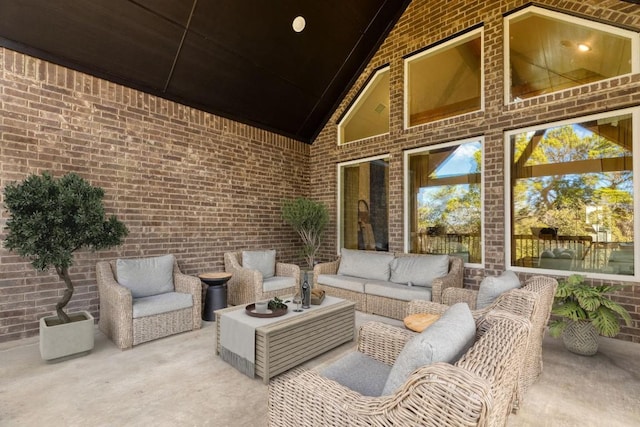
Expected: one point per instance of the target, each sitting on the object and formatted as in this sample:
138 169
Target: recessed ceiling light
582 47
298 24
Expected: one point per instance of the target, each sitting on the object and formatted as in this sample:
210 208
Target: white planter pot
58 340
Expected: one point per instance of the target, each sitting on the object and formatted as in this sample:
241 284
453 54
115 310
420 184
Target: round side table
216 297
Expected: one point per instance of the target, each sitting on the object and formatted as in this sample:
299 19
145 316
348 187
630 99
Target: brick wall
183 181
197 185
423 24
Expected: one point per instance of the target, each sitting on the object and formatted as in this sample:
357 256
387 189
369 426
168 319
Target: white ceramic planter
62 340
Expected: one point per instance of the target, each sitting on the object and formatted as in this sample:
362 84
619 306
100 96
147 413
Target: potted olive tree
585 312
50 219
309 219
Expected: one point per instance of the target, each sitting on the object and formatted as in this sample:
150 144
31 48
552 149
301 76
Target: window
572 197
444 81
362 206
369 114
548 51
443 203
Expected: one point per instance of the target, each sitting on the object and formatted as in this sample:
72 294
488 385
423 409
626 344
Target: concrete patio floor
178 381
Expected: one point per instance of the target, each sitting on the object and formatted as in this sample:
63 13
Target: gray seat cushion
397 291
365 264
359 372
420 270
146 276
446 340
492 286
162 303
263 261
276 283
354 284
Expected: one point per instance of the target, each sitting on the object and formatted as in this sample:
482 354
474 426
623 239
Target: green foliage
561 200
50 219
577 301
309 219
276 303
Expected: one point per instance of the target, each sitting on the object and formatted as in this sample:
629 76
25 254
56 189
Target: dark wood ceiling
239 59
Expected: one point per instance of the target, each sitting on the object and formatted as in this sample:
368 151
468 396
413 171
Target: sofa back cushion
263 261
145 277
365 264
419 270
446 340
492 286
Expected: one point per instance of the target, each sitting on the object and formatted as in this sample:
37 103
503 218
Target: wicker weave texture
116 309
474 392
581 338
519 301
245 285
387 307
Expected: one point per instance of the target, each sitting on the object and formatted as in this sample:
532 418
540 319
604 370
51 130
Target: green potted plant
585 312
50 219
309 219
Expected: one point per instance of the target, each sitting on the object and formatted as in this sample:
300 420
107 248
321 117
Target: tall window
572 195
369 114
445 80
363 207
548 51
444 200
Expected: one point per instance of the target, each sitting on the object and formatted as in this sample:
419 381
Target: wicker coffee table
282 345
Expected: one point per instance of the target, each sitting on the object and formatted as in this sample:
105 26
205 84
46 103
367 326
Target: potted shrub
309 219
585 312
50 219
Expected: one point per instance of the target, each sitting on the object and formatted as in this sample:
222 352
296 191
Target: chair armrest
288 270
383 342
423 306
116 307
455 397
453 279
325 268
186 284
452 296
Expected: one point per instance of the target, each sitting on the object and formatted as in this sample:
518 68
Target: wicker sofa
513 301
129 319
383 283
474 391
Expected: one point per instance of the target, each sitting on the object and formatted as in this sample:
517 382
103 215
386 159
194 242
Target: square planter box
58 340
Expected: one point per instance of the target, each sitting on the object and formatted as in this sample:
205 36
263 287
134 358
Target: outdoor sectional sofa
383 283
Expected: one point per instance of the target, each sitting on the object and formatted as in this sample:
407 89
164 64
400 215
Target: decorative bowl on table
251 311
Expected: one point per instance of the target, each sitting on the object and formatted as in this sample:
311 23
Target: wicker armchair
476 391
543 287
247 285
116 309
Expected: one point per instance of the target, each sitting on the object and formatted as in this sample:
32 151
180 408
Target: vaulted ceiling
238 59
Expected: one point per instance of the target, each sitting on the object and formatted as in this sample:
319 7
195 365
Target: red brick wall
423 24
184 181
197 185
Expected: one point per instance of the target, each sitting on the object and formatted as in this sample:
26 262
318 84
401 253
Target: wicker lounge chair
475 391
248 285
543 286
116 309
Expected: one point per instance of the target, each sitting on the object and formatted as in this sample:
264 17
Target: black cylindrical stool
216 297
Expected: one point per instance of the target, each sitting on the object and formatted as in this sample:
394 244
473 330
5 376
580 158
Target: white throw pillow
419 270
145 277
263 261
492 286
446 340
